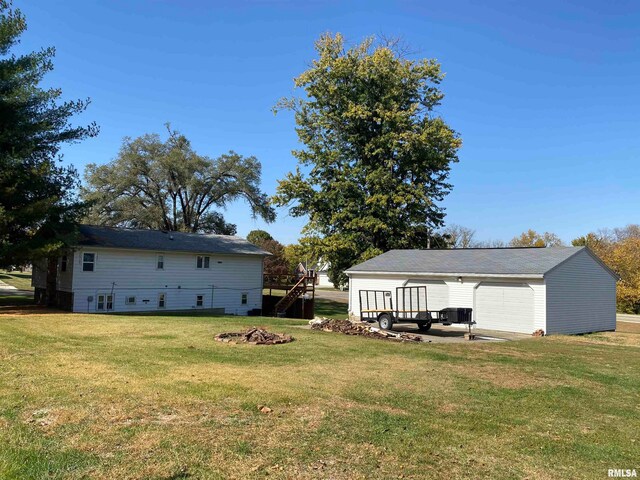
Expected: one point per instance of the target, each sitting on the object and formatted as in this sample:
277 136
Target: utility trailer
410 307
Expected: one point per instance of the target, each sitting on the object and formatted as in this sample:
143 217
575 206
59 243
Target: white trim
449 274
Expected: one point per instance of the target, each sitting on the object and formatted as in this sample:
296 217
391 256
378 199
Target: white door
504 306
437 293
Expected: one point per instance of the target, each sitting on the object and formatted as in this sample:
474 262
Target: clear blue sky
545 94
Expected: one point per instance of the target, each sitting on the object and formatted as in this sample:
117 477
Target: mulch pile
363 329
254 336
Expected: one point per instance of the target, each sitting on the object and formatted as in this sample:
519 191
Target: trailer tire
385 321
424 326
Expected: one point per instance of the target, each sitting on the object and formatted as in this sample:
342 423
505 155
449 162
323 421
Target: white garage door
437 293
504 306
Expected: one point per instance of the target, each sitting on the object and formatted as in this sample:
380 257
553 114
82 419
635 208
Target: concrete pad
451 334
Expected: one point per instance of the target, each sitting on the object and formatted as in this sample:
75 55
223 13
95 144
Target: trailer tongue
410 307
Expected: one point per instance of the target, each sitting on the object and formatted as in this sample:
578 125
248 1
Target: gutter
448 274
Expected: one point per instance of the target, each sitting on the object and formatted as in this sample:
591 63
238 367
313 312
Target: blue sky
545 94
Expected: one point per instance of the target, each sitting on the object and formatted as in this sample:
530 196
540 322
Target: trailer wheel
385 321
424 326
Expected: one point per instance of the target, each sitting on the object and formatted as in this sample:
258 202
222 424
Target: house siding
581 296
128 273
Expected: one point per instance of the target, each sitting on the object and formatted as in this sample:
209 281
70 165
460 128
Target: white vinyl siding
581 296
437 293
134 273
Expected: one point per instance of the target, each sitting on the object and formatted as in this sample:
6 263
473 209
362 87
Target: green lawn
330 308
113 396
21 280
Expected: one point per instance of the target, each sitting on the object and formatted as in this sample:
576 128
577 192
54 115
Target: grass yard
86 396
20 280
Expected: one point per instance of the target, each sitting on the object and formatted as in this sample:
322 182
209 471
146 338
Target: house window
243 298
161 300
88 262
130 300
160 262
199 300
202 261
63 263
105 302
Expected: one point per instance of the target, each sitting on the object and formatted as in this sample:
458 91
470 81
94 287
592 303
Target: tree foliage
376 156
620 250
277 263
257 236
531 238
38 206
166 185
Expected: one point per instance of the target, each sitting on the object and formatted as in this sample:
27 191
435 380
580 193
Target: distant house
558 290
321 270
129 270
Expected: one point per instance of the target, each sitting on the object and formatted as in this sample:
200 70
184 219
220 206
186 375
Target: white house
558 290
129 270
321 269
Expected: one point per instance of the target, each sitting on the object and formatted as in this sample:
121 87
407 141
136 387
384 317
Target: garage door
437 293
504 306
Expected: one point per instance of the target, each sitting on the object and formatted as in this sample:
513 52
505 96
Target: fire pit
254 336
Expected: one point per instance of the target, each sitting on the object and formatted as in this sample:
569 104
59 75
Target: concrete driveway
333 294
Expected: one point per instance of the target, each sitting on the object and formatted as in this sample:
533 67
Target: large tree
376 154
38 204
458 236
620 250
531 238
166 185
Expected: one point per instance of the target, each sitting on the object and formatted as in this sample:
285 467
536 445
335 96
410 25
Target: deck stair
299 289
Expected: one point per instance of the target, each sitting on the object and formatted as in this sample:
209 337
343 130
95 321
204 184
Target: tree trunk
52 280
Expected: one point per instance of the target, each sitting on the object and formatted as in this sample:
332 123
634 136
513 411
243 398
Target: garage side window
88 262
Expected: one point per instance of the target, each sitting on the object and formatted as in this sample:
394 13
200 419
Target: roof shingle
488 261
126 238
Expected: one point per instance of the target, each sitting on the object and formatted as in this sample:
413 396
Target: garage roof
470 261
163 241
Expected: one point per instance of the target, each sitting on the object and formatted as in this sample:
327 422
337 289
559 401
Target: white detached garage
558 290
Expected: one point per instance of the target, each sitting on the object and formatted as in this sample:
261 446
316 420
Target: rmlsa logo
621 473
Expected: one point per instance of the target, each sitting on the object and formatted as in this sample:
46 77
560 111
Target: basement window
202 261
88 262
105 302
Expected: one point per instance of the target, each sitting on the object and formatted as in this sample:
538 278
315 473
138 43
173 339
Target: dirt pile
363 329
255 336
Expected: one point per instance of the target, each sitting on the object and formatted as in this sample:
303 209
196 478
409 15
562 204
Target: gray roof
480 261
158 240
